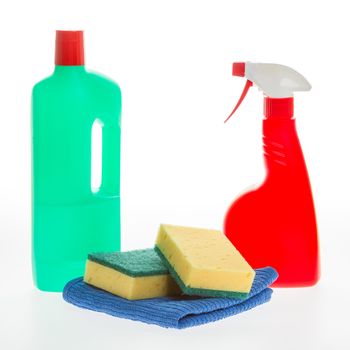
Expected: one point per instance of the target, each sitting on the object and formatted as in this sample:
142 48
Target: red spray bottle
275 223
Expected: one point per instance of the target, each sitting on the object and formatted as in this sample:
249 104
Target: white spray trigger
276 80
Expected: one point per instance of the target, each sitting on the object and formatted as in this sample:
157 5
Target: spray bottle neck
279 108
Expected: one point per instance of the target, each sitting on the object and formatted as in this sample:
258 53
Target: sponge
204 262
137 274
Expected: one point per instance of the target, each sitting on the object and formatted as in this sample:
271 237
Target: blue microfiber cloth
170 312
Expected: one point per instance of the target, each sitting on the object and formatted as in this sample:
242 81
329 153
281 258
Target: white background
180 163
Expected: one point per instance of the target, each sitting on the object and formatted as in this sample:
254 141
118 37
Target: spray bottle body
275 224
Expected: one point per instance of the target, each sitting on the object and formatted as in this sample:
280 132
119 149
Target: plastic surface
275 80
238 69
247 86
69 219
69 48
279 107
275 224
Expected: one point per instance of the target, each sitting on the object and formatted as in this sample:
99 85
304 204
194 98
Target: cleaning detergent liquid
70 217
275 224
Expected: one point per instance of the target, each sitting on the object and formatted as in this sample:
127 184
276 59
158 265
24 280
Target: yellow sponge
204 262
137 274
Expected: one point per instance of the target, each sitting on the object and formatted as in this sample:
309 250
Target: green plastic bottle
70 218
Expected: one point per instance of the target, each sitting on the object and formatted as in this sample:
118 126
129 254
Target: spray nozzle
275 80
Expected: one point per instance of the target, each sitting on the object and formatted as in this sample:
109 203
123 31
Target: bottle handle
110 179
105 157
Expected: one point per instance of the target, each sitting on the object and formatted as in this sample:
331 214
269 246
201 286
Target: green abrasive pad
198 291
134 263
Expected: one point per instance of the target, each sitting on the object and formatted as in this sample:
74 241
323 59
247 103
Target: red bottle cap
69 48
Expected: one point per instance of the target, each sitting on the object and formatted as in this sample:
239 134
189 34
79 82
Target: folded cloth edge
185 312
